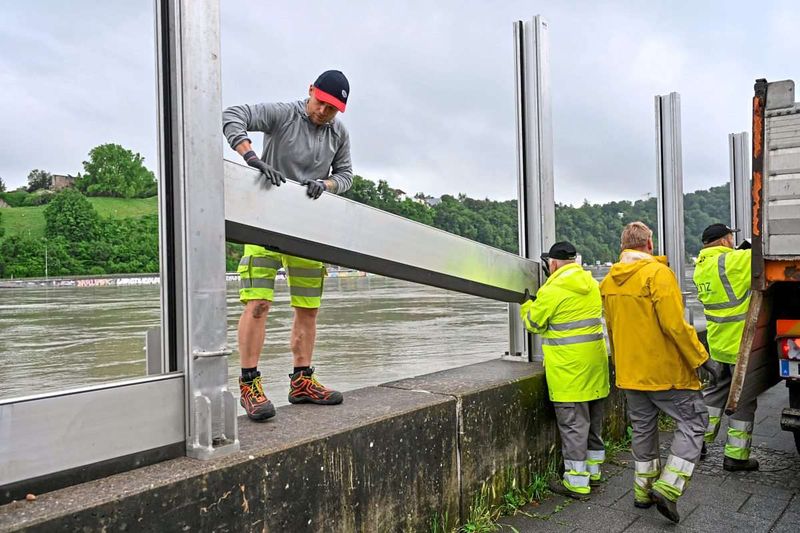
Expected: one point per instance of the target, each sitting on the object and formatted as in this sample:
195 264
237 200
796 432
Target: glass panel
79 216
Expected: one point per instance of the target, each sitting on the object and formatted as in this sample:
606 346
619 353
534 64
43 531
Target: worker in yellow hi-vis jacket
567 313
722 278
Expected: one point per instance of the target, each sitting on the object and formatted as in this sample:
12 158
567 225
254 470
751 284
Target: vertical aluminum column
536 203
192 208
669 170
741 202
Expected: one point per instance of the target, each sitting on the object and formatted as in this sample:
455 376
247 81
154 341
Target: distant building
61 182
400 194
428 201
432 201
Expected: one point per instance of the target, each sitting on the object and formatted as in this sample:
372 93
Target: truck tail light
789 348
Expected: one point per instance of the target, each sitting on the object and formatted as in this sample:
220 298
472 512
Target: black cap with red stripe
332 88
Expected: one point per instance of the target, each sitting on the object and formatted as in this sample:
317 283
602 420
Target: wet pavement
716 500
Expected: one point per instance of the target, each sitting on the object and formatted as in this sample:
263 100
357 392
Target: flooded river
371 330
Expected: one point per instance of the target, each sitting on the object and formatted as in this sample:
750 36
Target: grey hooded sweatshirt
294 145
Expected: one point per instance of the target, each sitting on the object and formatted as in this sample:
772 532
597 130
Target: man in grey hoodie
306 143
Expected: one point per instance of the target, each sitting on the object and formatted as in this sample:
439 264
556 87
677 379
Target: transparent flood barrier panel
82 249
80 245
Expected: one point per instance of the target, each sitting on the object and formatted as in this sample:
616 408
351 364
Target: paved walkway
764 501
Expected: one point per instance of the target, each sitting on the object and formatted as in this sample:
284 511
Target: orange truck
770 349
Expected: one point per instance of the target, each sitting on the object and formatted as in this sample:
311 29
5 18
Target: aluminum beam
669 178
192 212
536 203
340 231
741 199
59 431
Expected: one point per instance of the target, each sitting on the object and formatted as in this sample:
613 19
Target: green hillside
106 235
29 221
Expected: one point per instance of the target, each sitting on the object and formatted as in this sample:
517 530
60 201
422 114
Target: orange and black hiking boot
253 399
304 387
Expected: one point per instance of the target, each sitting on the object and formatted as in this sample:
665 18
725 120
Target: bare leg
251 331
304 333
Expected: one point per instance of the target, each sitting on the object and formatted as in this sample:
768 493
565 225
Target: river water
371 330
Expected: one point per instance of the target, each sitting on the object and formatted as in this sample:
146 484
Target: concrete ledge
389 459
507 428
384 460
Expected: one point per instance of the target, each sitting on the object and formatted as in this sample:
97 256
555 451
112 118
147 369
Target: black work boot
665 506
703 452
739 465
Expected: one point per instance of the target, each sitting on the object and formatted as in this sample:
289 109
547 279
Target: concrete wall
389 459
507 425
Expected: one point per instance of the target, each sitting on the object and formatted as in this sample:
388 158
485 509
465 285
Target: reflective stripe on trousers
576 476
644 474
298 272
257 283
714 417
740 437
260 262
676 474
594 458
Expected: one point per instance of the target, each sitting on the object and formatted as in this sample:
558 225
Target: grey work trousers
686 407
717 396
581 427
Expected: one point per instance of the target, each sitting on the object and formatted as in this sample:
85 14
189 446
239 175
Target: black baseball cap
332 88
561 250
716 231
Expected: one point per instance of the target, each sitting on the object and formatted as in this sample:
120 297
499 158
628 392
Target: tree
2 185
39 179
70 215
115 171
362 191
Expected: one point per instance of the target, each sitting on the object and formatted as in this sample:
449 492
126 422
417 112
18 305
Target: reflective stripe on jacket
722 278
567 314
652 346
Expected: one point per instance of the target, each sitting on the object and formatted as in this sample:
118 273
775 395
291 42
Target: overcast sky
432 84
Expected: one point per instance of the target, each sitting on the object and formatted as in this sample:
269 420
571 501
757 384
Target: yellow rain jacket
652 346
567 313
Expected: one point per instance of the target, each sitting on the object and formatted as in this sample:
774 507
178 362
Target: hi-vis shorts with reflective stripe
259 266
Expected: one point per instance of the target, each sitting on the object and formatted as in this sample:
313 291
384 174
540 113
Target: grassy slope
30 220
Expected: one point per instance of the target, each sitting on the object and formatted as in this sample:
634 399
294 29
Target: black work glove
315 188
269 173
745 245
527 296
711 368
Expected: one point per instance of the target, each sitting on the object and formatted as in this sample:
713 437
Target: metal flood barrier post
669 180
193 210
741 201
535 193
